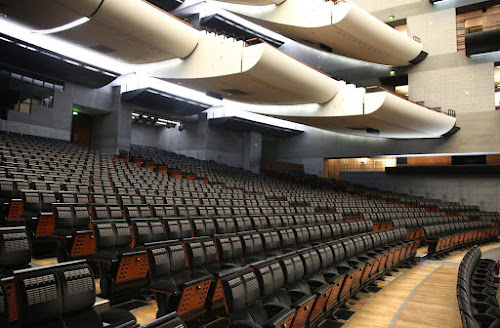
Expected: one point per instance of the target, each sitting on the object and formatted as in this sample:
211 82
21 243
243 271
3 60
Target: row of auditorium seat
445 237
125 235
114 240
298 288
477 291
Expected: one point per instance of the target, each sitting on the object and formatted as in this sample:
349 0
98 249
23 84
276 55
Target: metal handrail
450 112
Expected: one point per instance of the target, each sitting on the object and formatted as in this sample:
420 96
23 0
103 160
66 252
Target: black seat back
39 296
147 231
15 248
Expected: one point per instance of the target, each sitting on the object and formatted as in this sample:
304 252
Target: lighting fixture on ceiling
154 120
73 24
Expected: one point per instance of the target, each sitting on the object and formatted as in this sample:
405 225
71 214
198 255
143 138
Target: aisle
423 296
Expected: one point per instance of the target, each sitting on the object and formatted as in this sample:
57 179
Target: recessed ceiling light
392 73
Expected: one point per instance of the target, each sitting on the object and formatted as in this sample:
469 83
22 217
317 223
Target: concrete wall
111 117
483 191
425 27
201 141
42 121
145 135
465 88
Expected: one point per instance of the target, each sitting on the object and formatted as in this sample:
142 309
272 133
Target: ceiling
23 57
164 102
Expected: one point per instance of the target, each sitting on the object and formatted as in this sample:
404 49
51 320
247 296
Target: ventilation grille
235 92
101 48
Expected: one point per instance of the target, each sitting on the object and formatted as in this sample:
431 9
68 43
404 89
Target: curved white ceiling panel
133 31
346 28
255 74
46 14
385 115
255 2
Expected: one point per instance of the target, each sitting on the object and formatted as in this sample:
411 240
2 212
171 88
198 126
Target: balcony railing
449 112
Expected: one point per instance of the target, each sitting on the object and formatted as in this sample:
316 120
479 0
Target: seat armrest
302 301
160 321
128 324
134 252
323 288
197 280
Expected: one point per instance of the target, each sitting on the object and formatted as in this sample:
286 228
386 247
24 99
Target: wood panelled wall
476 21
427 160
333 167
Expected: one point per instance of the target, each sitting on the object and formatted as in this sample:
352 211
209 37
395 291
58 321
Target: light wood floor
423 296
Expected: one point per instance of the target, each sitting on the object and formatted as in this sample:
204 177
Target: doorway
81 129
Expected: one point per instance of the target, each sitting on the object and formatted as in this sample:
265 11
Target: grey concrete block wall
201 141
481 190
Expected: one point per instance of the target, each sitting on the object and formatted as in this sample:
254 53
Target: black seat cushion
86 319
117 317
164 285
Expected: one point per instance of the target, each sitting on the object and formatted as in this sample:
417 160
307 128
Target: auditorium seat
229 251
205 227
15 249
177 228
63 295
123 269
106 212
176 288
243 307
147 231
72 233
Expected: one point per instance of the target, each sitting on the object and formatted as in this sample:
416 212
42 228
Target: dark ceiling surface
166 103
29 59
241 124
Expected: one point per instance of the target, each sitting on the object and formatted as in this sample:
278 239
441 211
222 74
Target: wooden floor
422 296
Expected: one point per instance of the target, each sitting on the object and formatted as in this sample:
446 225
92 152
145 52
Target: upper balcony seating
61 295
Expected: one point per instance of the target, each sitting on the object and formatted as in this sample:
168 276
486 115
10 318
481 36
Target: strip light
153 120
78 22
